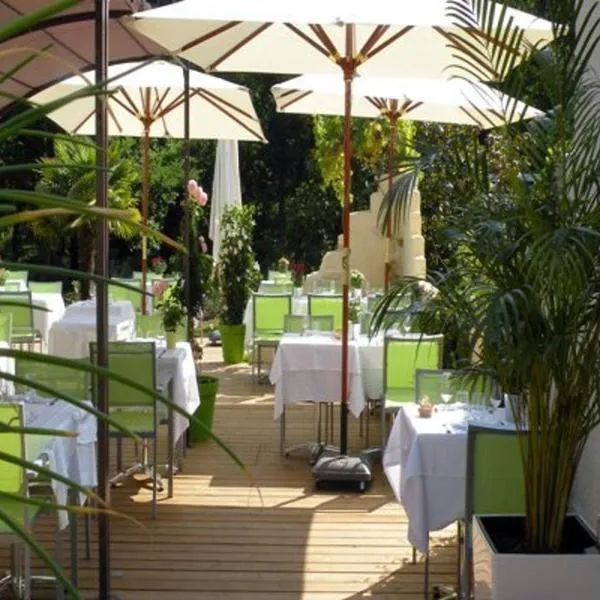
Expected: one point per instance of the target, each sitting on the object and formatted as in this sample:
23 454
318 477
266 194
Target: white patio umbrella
437 100
376 38
147 100
226 189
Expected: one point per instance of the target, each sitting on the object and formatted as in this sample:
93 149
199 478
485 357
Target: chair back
18 276
326 304
431 383
135 361
22 315
72 382
13 286
373 300
280 276
293 323
46 287
403 356
269 311
274 287
120 293
365 322
5 327
12 476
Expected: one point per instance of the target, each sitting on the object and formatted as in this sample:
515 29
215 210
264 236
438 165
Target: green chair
46 287
434 382
295 323
401 357
70 381
5 328
12 286
365 322
268 318
326 304
18 276
120 293
495 483
133 409
13 479
23 331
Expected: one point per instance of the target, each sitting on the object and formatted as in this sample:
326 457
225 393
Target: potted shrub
238 277
357 280
172 312
526 291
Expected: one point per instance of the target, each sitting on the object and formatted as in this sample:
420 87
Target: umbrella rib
375 36
131 108
209 36
301 96
158 109
239 45
390 40
471 116
309 40
326 41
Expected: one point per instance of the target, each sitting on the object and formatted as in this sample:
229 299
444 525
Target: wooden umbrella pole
145 184
349 69
392 117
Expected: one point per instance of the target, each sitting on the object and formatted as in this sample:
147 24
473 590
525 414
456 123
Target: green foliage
171 307
238 275
526 276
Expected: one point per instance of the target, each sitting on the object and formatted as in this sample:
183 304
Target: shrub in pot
526 289
172 312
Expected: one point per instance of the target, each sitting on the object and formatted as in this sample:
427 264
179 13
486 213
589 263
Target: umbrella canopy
226 189
147 99
437 100
310 36
150 96
377 38
63 45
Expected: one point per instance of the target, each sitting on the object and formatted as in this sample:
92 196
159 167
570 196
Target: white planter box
531 576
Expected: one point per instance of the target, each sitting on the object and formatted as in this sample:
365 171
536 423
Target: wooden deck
225 536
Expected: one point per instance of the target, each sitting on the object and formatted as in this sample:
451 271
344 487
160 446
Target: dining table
71 335
53 309
425 462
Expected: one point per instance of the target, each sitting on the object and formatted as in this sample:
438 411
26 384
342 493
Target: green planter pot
171 337
208 387
232 342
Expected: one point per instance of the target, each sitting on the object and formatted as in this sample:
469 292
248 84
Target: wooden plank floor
270 536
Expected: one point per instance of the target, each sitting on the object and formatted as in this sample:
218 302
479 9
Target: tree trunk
87 259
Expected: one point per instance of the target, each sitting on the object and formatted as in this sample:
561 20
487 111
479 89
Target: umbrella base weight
342 470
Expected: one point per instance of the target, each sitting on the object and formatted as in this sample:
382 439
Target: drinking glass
446 392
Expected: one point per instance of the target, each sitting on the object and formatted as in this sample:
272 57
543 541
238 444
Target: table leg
170 444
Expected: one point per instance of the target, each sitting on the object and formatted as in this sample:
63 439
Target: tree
71 173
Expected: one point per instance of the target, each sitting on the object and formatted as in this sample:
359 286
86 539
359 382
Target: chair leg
426 578
282 433
155 473
120 454
459 543
383 436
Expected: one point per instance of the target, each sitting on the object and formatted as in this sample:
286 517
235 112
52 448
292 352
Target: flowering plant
297 274
171 308
158 265
237 264
197 193
356 278
354 310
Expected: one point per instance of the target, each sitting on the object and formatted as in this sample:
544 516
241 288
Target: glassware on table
446 390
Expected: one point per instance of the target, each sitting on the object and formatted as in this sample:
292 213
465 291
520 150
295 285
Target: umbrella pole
187 271
101 392
145 175
349 69
393 121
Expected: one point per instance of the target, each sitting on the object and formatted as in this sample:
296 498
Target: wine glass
446 391
406 324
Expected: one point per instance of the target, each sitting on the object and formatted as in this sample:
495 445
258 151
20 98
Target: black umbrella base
344 471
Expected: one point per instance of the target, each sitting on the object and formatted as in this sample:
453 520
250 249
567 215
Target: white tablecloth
371 365
180 363
120 309
43 319
308 368
425 462
71 336
71 457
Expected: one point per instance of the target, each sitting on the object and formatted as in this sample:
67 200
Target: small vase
297 292
171 339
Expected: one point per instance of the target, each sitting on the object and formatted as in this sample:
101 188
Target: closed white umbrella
226 189
147 100
375 38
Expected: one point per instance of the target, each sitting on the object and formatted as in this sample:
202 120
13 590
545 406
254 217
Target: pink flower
202 197
192 187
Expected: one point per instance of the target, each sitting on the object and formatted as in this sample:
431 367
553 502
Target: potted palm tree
237 278
527 291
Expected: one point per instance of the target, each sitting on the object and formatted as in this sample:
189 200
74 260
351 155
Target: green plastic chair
295 323
430 383
401 357
495 483
268 318
18 276
46 287
64 379
13 479
119 293
134 409
326 304
12 286
23 331
5 328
